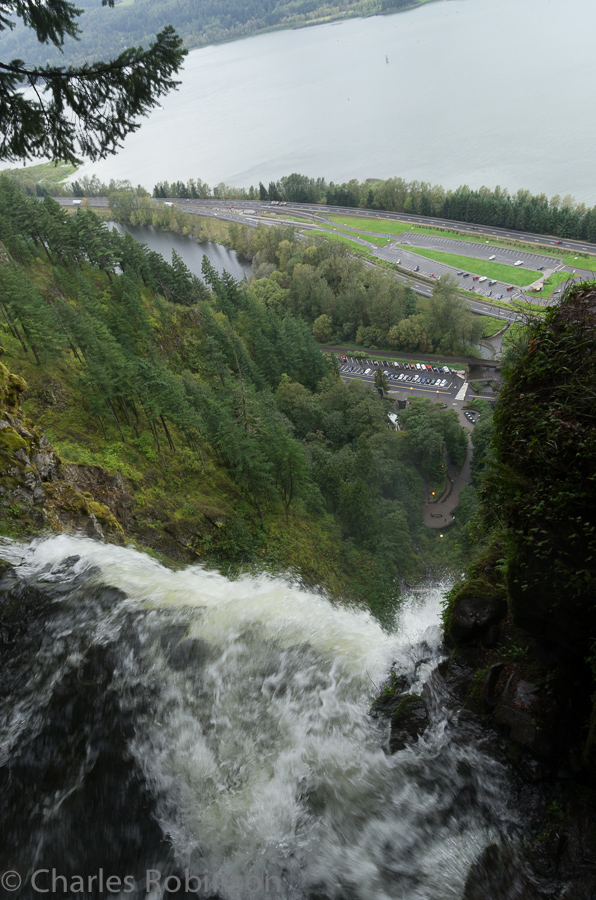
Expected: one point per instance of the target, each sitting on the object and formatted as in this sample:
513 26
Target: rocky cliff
37 492
522 625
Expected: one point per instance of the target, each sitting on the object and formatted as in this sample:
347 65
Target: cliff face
36 491
523 622
545 488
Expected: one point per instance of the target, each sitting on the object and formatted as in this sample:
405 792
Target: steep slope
523 622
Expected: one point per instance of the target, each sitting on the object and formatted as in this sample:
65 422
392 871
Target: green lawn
579 261
552 282
497 271
365 236
48 173
336 236
380 225
491 326
583 260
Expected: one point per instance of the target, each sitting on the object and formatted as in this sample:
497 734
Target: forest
560 216
239 439
319 281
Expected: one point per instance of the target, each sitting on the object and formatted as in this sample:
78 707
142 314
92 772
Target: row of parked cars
422 375
420 379
419 367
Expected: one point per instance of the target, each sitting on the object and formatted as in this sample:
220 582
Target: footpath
439 513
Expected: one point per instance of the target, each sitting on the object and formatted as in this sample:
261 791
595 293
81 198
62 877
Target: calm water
478 92
187 248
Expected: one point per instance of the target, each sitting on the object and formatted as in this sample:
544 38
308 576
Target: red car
558 242
511 288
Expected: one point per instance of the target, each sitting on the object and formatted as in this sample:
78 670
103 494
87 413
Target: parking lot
418 378
486 287
505 255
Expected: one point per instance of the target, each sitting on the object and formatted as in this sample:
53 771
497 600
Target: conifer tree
86 111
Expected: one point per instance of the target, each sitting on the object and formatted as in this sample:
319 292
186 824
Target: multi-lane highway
315 210
251 212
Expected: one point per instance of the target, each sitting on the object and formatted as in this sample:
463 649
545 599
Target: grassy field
336 236
44 173
491 326
573 259
497 271
382 226
579 261
553 282
365 236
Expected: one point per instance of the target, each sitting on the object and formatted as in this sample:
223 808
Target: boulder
475 608
408 722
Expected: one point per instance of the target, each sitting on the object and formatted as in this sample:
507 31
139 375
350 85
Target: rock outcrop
37 492
522 625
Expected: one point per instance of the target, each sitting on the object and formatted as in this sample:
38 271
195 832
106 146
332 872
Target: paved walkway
439 513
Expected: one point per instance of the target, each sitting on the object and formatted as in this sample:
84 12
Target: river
188 249
477 92
158 725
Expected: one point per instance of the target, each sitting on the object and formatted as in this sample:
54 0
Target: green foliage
482 435
238 440
430 431
542 486
77 111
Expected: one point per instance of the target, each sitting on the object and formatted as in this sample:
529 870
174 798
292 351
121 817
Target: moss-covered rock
543 490
35 492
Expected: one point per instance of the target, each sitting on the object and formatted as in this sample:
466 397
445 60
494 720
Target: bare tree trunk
165 428
117 421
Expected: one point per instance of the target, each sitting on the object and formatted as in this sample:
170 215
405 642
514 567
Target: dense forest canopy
222 380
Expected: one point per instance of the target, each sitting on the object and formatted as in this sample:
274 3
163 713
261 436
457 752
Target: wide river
477 92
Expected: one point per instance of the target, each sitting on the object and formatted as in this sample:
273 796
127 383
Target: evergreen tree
77 111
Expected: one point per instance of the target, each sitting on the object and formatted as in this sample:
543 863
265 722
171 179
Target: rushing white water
244 707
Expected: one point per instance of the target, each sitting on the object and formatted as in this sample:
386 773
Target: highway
250 212
315 210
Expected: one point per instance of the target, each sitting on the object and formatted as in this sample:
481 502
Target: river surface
188 249
477 92
153 722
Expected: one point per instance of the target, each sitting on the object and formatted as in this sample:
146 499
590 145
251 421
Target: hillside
522 624
106 32
204 418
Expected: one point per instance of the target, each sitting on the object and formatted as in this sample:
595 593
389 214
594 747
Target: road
436 512
316 210
250 212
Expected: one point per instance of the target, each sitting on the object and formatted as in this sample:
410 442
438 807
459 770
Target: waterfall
161 726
